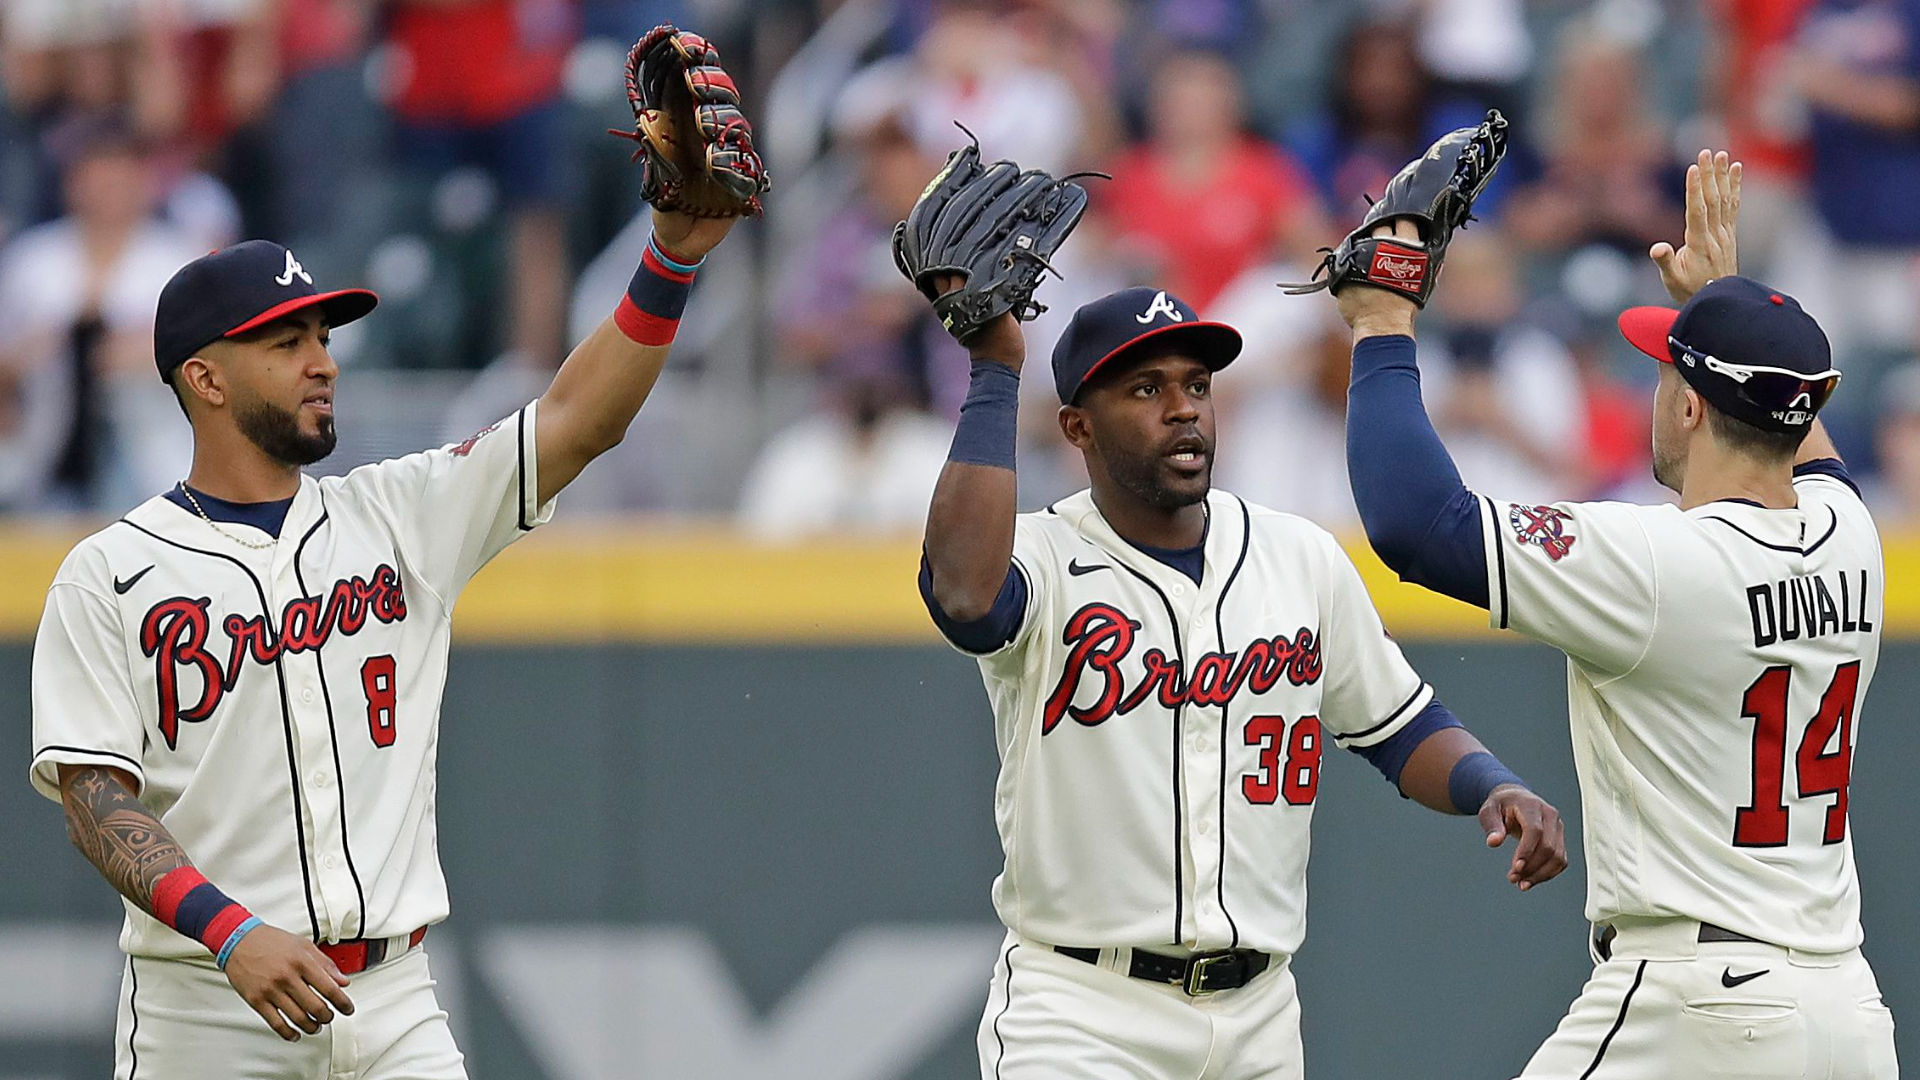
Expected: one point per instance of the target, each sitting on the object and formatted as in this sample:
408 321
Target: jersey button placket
334 894
1201 774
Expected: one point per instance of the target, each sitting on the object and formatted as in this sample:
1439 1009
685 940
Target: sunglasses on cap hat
1786 396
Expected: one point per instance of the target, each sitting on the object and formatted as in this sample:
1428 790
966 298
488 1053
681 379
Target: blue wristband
1474 777
245 928
989 418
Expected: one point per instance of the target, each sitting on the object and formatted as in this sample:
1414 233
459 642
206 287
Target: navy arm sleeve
1420 518
990 632
1390 754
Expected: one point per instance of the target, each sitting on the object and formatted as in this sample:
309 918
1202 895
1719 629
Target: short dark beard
1139 476
277 433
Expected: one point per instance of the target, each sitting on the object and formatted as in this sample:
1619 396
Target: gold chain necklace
241 540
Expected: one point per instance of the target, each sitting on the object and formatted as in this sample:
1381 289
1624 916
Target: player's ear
200 378
1075 426
1693 409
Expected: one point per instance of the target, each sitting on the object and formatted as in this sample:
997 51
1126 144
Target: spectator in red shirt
478 85
1201 199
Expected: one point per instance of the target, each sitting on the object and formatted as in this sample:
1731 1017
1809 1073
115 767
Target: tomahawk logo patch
1545 526
465 446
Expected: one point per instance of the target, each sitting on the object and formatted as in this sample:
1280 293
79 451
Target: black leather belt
1603 938
1201 973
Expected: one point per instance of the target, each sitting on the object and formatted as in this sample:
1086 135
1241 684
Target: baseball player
237 686
1167 665
1717 654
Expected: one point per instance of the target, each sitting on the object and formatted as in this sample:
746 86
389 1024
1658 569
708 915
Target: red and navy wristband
650 312
191 905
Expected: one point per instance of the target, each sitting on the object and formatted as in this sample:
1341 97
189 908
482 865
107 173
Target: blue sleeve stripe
1390 755
992 631
671 263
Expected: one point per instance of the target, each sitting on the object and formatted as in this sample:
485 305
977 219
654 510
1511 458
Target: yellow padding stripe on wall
654 583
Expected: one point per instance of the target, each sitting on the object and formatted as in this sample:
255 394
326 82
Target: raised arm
969 541
1420 518
286 979
604 381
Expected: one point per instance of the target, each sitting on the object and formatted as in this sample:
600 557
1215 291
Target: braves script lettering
174 633
1100 636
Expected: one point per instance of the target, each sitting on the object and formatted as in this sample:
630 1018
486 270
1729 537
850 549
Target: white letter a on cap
294 269
1160 306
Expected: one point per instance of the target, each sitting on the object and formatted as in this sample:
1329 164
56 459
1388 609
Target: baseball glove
1436 190
697 146
993 224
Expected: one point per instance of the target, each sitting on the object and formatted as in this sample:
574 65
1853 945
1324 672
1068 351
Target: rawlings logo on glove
1437 191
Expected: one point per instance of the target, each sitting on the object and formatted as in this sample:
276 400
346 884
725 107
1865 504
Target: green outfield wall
732 861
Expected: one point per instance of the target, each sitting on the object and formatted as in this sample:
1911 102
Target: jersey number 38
1297 778
1818 770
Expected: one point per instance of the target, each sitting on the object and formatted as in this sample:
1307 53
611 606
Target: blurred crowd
451 154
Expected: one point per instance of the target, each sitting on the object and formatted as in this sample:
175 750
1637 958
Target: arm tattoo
119 835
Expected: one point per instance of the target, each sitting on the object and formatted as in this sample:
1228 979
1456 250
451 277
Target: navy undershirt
268 517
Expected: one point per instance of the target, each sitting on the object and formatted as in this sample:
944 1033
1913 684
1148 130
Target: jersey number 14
1819 771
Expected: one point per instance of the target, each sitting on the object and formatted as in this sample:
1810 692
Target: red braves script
174 633
1101 636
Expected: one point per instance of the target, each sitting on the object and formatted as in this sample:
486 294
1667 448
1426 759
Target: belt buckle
1196 985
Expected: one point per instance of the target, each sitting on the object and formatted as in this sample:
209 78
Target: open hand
1381 311
288 981
1511 810
1713 210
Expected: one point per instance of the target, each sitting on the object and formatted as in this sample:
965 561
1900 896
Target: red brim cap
341 307
1647 329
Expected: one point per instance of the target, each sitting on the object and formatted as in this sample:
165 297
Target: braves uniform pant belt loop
1603 938
359 954
1202 973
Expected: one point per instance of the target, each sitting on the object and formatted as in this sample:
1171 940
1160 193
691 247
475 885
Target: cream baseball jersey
1160 740
1717 659
280 707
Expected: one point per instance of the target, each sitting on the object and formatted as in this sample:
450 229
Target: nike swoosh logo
121 587
1074 567
1729 980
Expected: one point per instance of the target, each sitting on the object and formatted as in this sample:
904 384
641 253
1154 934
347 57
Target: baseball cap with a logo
237 289
1118 326
1750 351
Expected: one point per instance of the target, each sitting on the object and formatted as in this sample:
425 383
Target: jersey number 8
1763 823
376 679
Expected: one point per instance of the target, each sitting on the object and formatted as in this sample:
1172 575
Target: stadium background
715 802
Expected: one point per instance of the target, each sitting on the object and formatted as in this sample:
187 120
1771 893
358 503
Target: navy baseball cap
1750 351
237 289
1119 325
